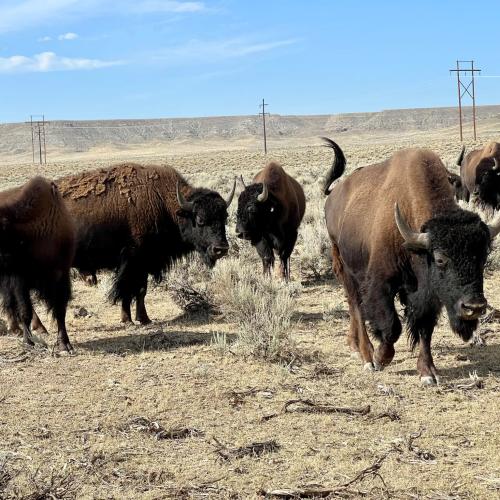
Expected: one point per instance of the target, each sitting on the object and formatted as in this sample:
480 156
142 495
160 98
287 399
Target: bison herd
395 228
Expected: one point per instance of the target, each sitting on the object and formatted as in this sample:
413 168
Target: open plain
97 424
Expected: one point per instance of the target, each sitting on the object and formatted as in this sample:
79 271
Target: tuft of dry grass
260 306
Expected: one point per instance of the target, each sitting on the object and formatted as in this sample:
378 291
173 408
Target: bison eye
200 221
440 259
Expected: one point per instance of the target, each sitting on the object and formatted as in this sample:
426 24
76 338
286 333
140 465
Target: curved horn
496 164
494 227
185 205
265 193
420 240
242 181
231 194
461 156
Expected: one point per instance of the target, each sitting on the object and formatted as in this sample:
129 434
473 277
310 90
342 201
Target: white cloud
44 39
68 36
210 51
16 15
49 61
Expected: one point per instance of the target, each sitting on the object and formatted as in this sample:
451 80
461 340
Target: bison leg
383 321
285 253
126 316
141 314
357 339
58 302
266 253
25 311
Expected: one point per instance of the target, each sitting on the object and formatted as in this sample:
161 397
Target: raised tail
338 167
461 157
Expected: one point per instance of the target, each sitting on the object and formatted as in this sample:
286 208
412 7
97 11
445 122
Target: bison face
257 209
488 188
453 250
202 223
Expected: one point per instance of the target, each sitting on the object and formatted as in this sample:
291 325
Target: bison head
453 248
257 209
202 222
488 182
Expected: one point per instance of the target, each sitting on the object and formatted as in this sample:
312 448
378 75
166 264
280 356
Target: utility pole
465 85
38 137
263 106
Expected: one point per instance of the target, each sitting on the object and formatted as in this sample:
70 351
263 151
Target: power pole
263 113
38 137
465 85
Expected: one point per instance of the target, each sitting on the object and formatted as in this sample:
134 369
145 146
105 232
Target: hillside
76 137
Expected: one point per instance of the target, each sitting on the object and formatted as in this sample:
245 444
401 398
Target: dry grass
85 426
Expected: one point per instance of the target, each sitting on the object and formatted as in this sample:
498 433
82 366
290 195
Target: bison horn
231 194
185 205
420 240
265 193
496 164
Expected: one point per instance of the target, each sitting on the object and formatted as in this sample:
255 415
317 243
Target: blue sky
97 59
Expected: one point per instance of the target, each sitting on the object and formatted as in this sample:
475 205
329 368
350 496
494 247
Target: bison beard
137 221
377 255
36 250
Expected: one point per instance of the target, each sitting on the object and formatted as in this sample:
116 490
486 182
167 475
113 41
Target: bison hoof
429 380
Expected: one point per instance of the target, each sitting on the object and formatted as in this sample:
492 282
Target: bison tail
338 167
461 157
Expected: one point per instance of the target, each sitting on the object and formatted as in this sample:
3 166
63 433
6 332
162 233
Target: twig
322 492
308 406
252 449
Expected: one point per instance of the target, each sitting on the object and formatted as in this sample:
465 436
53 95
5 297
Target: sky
98 59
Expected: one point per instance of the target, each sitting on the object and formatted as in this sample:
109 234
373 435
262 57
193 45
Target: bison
137 221
396 229
37 244
270 211
480 174
460 191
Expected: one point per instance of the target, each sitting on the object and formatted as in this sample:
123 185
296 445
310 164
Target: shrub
260 306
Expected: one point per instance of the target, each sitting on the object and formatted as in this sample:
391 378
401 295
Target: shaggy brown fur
273 224
37 241
374 262
477 171
129 220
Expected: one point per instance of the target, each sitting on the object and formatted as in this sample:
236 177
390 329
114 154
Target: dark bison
480 174
37 243
269 213
396 229
137 220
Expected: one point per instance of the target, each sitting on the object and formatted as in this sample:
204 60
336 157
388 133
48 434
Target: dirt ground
90 425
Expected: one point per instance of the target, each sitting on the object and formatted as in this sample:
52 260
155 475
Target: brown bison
480 174
137 221
461 192
269 214
37 243
396 229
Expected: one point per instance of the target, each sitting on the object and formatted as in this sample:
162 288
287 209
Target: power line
38 136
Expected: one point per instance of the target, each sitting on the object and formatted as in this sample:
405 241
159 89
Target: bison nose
472 309
219 251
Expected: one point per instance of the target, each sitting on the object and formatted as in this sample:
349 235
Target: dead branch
252 449
308 406
143 424
315 491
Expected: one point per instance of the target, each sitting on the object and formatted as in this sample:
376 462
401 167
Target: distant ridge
81 136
